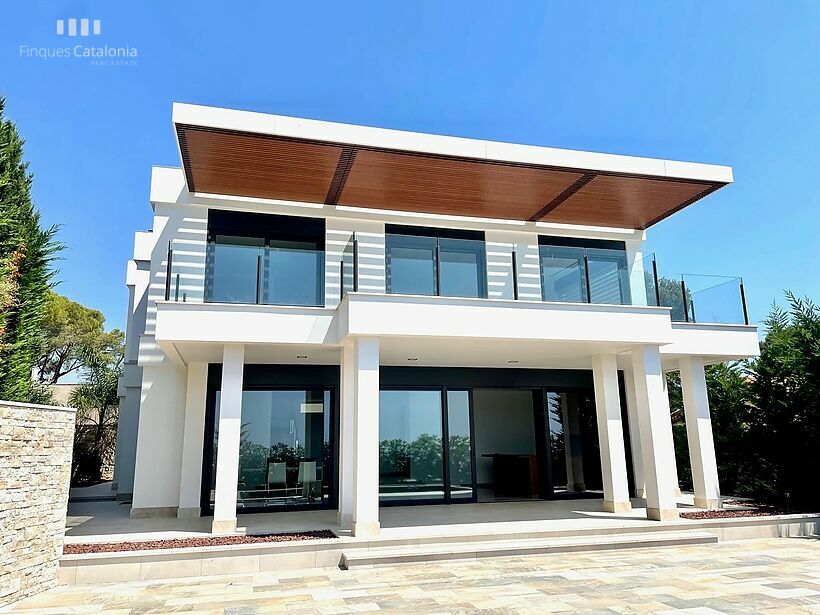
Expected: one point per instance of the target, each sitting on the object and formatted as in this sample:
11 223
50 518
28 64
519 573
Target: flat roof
249 154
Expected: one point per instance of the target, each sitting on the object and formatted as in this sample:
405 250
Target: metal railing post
176 289
341 278
259 279
355 264
515 274
685 302
586 277
743 302
657 282
438 269
168 272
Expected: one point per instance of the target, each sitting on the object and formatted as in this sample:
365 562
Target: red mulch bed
209 541
761 511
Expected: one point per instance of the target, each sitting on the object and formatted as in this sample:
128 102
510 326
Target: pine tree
26 253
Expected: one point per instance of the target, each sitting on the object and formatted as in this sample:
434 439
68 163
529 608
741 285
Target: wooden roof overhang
244 163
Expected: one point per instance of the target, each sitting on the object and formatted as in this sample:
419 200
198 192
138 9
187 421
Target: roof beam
575 187
343 167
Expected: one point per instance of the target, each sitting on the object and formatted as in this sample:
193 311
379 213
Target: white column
610 433
366 437
347 451
192 440
634 434
230 423
699 433
655 428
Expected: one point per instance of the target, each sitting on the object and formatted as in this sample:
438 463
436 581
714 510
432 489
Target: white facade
173 342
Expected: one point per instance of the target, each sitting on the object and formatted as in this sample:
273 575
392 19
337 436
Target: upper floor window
431 261
268 259
584 271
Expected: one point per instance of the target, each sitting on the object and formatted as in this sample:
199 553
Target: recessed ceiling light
301 356
412 358
512 361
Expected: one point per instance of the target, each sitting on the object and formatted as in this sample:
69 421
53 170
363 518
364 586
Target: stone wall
35 471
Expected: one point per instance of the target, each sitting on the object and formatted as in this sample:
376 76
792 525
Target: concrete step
511 548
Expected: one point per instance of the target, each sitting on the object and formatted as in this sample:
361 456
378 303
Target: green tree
784 427
72 331
26 253
97 404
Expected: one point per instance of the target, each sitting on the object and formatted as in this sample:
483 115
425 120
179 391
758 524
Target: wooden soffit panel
432 184
627 202
245 164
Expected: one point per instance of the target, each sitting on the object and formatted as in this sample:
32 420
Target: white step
511 548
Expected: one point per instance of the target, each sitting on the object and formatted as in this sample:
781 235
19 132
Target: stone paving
762 576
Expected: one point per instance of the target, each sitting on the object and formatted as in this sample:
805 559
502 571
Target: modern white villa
329 316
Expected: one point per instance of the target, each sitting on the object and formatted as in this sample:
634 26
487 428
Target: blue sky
732 83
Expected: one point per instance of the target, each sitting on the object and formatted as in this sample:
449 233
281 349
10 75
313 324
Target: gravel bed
204 541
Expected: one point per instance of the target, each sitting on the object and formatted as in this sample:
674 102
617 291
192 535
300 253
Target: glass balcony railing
293 273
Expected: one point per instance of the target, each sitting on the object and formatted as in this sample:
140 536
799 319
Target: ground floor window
284 449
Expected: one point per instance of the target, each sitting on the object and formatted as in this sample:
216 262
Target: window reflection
573 442
459 441
410 445
284 451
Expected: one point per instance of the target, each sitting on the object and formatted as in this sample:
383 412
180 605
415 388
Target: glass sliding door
459 443
572 436
284 449
411 465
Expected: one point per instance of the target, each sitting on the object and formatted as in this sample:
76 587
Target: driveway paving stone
764 576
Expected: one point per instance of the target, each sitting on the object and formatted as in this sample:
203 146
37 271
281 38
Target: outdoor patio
108 521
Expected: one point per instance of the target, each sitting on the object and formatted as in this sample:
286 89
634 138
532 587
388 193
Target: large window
422 261
588 272
256 258
284 449
410 445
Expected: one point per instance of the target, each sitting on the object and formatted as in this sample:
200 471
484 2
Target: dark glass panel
411 265
234 269
461 459
410 445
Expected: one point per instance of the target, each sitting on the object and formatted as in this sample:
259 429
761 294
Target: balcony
292 273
